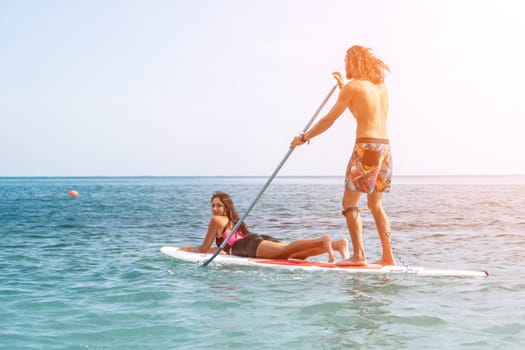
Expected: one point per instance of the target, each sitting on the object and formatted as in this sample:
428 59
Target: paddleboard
291 264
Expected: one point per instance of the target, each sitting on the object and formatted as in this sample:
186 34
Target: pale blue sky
130 88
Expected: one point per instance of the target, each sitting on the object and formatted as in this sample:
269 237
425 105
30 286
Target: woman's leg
273 250
341 245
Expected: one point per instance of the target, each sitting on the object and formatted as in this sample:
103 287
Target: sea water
87 273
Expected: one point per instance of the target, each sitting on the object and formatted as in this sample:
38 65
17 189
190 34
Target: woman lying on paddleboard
243 243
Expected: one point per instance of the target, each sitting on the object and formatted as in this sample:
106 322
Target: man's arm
343 101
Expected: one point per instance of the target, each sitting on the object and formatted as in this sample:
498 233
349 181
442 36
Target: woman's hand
188 248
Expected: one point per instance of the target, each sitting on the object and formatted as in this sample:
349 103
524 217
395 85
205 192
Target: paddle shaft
290 150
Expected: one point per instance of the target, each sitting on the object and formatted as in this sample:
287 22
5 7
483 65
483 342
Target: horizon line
253 176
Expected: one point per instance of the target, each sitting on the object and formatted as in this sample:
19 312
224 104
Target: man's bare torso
369 105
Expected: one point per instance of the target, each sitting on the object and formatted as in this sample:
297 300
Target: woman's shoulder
219 220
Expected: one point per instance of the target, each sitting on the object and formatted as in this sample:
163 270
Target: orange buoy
73 193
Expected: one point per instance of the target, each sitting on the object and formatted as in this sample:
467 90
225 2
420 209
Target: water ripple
87 272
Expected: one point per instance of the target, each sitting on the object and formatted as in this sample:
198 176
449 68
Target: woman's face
217 207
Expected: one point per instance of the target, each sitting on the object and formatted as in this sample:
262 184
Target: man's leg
383 227
355 227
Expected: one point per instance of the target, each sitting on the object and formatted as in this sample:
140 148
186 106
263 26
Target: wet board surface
291 264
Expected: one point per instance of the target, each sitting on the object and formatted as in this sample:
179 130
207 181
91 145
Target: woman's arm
215 228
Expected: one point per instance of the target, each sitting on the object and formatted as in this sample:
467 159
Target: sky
220 87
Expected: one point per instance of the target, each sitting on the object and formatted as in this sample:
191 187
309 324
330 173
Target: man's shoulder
360 83
357 87
363 86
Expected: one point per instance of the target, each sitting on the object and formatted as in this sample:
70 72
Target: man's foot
385 262
353 261
341 246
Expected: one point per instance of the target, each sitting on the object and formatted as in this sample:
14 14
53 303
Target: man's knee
353 211
374 208
374 205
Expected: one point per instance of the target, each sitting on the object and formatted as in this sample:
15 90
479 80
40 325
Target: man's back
369 105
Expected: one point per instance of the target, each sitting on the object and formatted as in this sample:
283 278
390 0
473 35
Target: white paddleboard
290 264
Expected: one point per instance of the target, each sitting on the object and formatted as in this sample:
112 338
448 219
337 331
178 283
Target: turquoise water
87 273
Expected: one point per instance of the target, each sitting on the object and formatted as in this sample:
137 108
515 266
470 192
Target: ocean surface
87 273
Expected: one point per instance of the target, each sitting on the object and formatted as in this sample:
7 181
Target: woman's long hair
365 66
231 212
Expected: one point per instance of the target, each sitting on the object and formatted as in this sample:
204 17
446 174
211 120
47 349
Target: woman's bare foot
328 245
341 246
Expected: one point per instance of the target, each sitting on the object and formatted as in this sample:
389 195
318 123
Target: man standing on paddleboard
369 169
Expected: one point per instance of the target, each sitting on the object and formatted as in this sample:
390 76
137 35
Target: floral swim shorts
370 167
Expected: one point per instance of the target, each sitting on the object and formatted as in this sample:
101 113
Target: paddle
290 150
